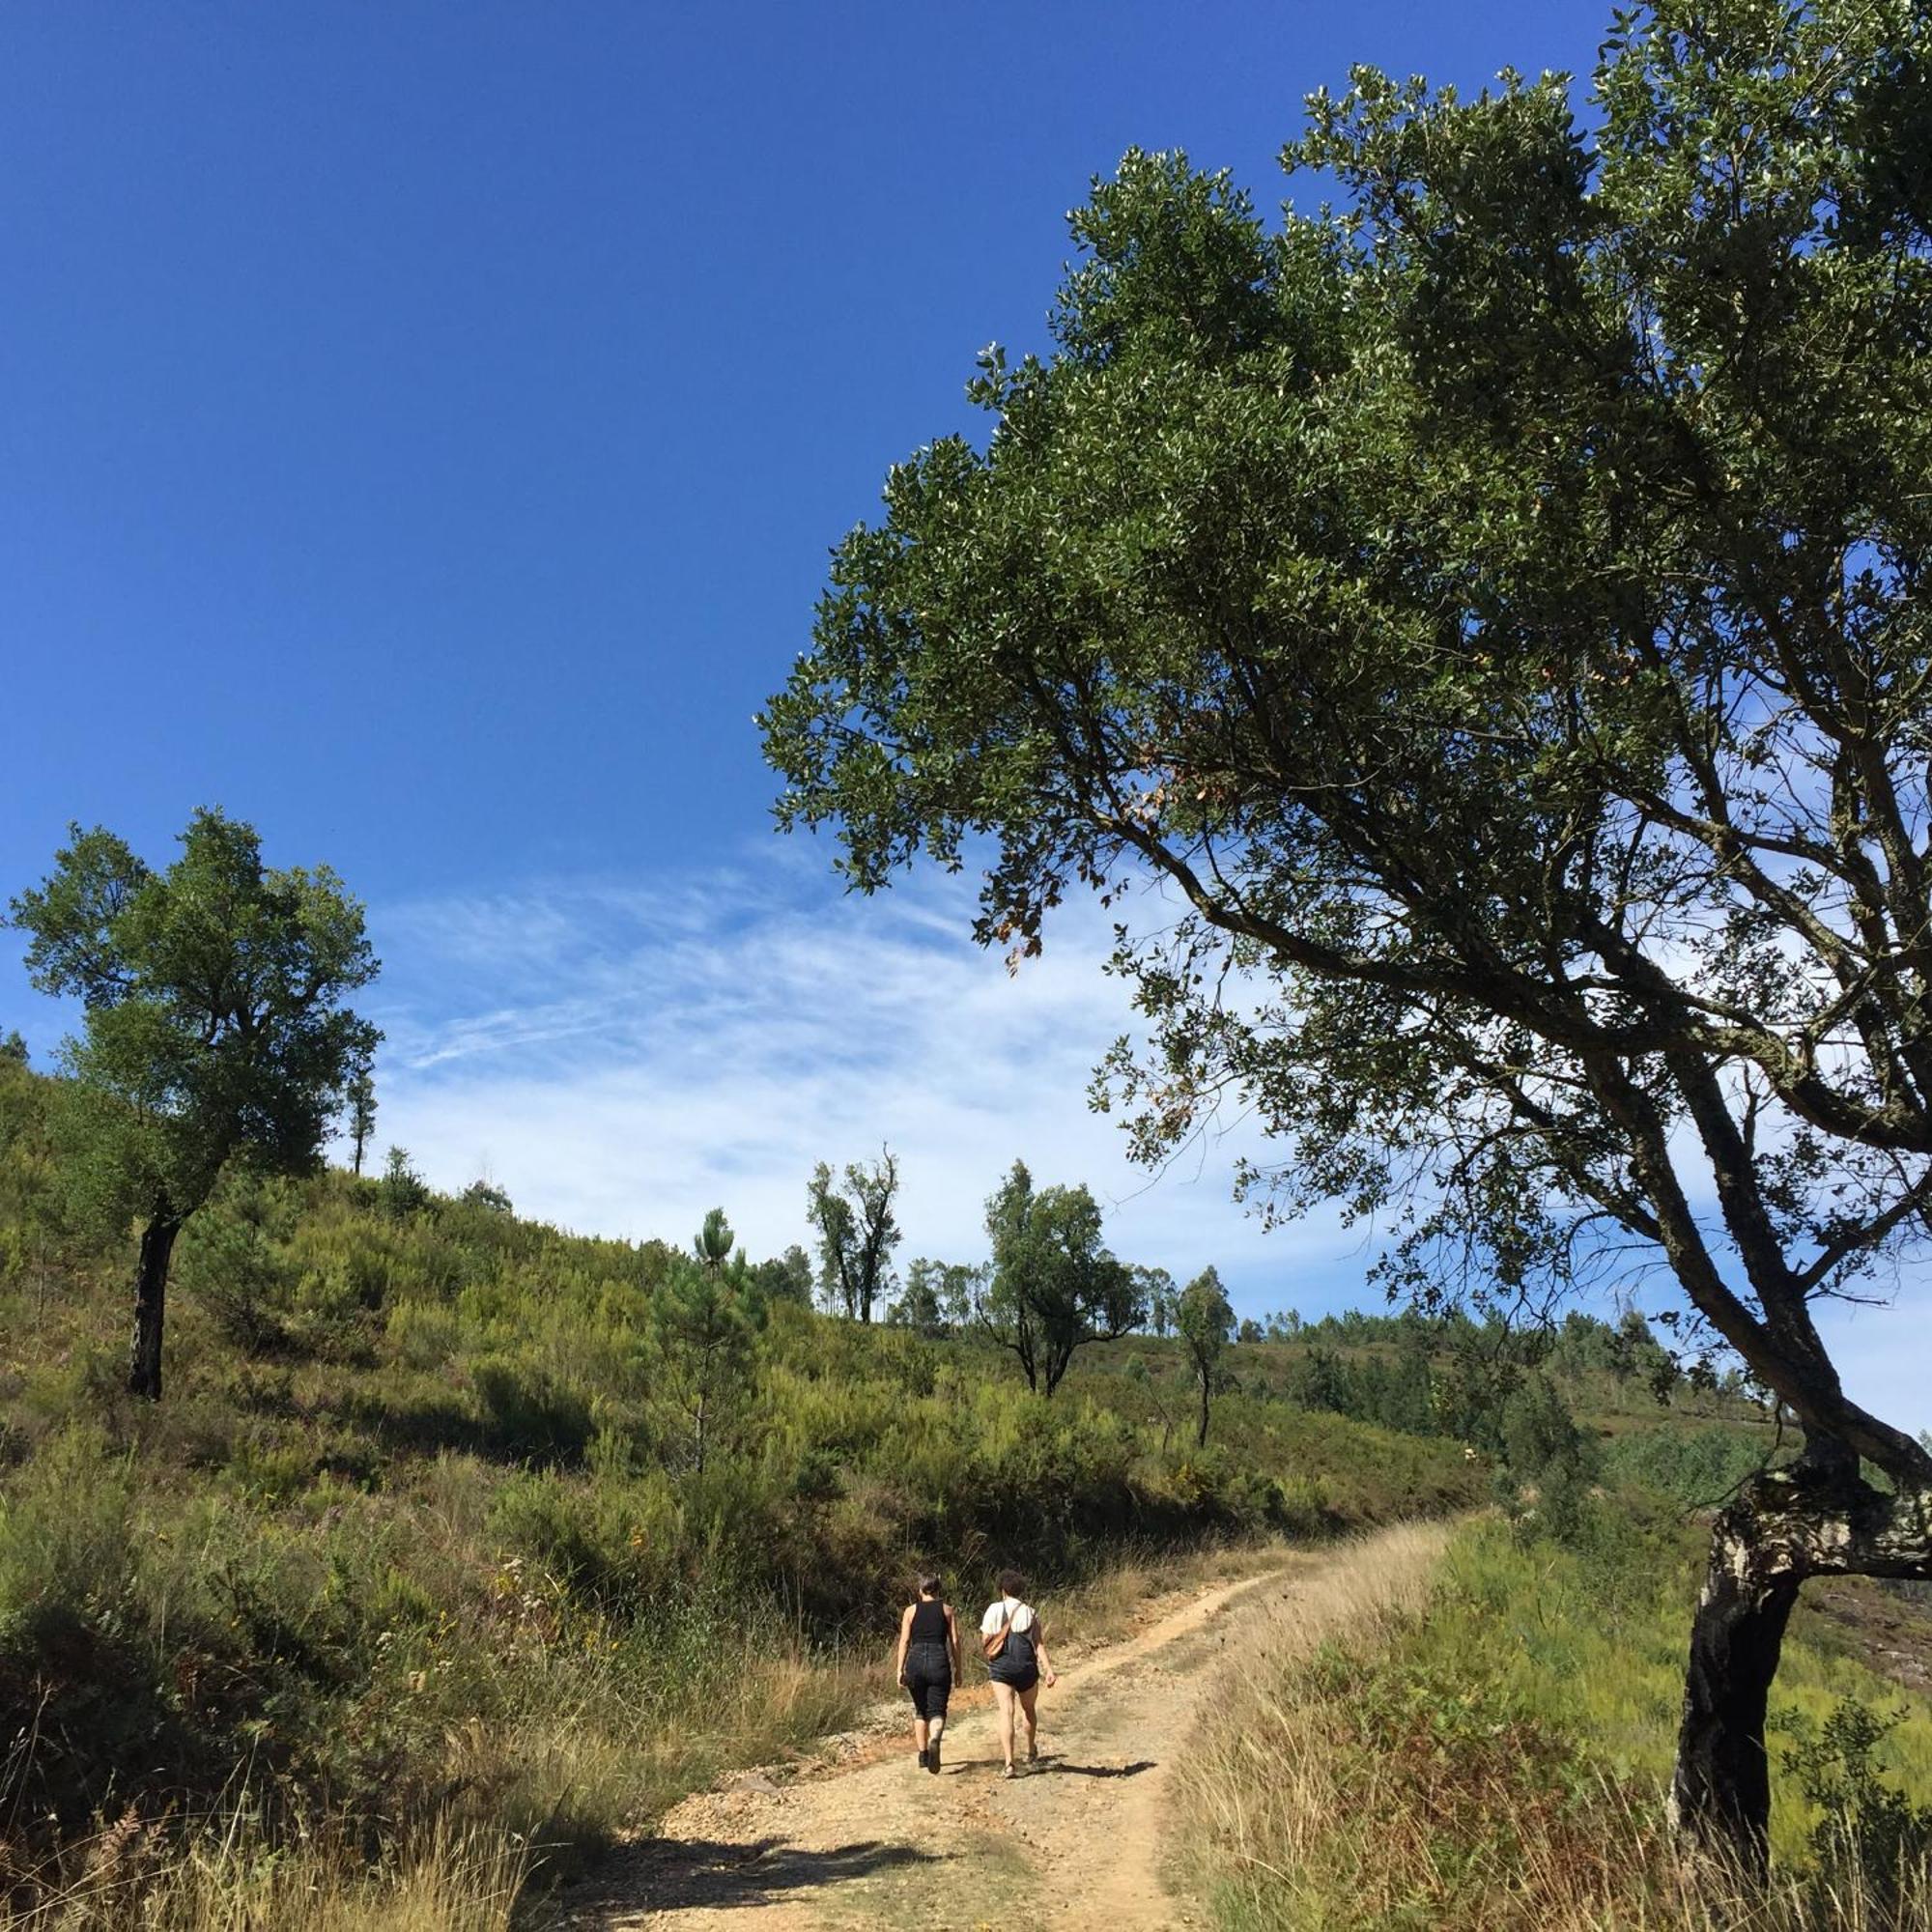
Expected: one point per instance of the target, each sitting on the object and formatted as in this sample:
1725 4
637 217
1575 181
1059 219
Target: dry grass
1330 1788
537 1792
226 1880
1116 1602
1257 1796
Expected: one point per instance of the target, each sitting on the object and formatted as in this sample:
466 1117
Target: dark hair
930 1586
1011 1582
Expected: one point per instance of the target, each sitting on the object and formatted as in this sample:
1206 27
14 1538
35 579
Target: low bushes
1493 1751
417 1542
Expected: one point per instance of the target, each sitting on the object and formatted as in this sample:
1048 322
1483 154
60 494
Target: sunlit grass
1482 1741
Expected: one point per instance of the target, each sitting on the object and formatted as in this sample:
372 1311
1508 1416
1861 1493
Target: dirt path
1075 1845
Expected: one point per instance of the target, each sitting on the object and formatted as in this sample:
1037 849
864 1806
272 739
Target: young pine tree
705 1320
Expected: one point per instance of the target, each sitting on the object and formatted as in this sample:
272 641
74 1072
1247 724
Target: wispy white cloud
621 1060
622 1057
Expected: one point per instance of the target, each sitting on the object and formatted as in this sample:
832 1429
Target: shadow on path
1060 1765
692 1872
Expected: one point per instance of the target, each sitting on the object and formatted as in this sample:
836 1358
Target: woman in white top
1015 1650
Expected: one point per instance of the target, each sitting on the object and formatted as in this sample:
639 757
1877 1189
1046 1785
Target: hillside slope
420 1533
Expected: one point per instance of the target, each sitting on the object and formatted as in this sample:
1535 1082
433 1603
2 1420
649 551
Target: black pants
928 1679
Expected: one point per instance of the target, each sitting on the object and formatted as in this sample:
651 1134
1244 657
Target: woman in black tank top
928 1660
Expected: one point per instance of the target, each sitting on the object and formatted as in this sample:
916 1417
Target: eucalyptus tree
856 1231
362 1112
215 1030
1206 1321
935 1296
1493 612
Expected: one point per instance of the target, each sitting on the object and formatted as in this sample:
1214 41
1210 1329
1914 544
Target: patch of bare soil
1076 1843
1886 1631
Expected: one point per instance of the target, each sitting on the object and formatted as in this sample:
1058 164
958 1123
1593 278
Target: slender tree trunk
1201 1440
150 1295
1817 1519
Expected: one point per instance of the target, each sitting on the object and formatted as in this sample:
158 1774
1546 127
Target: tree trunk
151 1295
1721 1790
1814 1520
1201 1441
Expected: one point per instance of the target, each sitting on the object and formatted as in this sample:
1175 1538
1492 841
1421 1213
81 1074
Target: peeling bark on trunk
1815 1519
150 1295
1721 1791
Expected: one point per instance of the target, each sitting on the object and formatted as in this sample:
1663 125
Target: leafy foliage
857 1234
1053 1287
215 1025
1494 607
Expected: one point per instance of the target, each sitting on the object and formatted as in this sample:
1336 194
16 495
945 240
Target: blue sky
421 433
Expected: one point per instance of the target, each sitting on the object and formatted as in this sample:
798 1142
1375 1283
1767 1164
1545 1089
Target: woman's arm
905 1632
953 1637
1047 1669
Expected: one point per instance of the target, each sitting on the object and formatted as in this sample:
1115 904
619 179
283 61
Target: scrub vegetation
447 1556
1491 1748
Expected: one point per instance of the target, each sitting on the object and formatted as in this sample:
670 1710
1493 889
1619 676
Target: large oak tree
214 1032
1495 612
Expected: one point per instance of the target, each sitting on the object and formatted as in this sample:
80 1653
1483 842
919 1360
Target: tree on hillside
1155 1289
361 1111
1636 1353
13 1048
1205 1323
706 1318
214 1032
786 1277
1496 610
936 1295
486 1194
401 1190
857 1233
1053 1287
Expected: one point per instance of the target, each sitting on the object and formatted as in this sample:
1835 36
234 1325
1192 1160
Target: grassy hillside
417 1553
1491 1749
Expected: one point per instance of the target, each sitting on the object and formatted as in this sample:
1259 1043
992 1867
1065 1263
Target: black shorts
928 1679
1017 1680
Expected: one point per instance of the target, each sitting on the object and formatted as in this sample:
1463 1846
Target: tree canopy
1487 618
857 1230
214 1026
1052 1285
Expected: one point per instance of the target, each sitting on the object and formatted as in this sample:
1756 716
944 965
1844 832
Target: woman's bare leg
1029 1697
1003 1696
919 1728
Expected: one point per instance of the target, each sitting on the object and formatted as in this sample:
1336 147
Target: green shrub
1871 1839
530 1413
